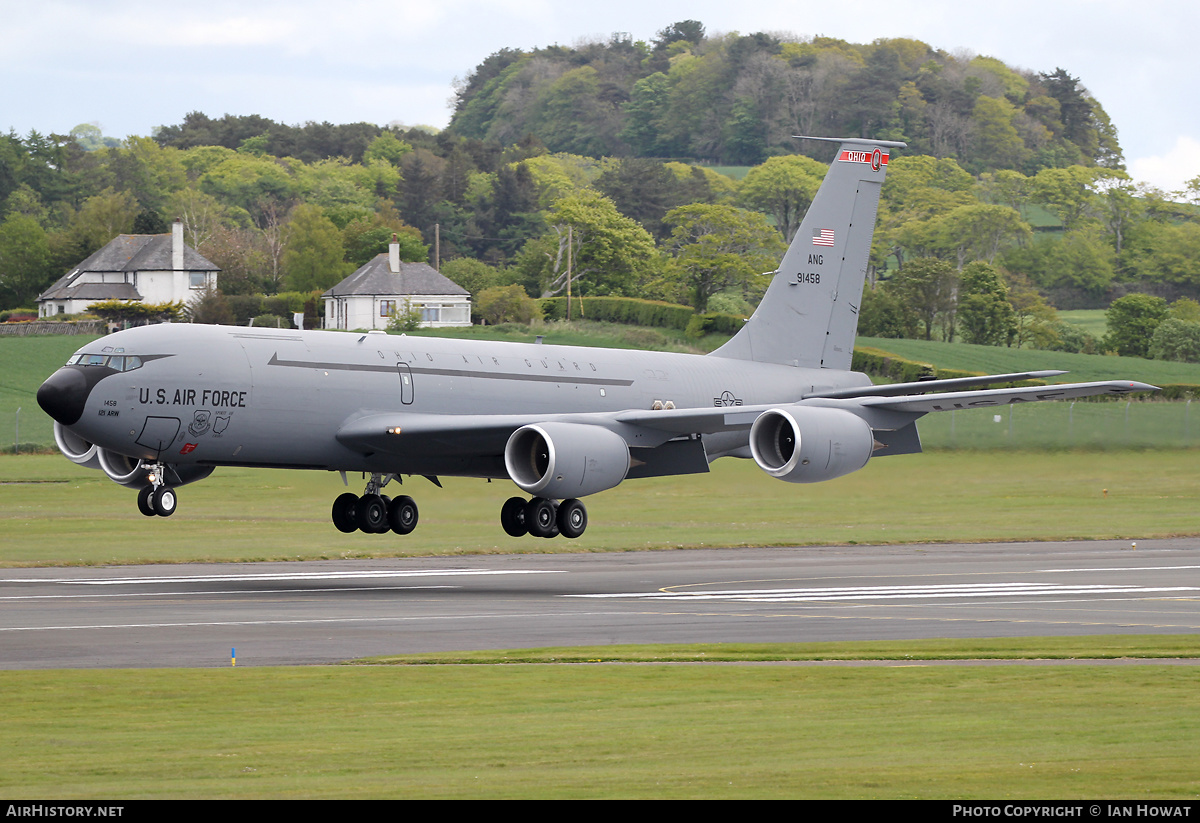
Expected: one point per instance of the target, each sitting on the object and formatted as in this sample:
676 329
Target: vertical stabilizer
809 315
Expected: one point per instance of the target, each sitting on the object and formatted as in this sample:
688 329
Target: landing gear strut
543 518
157 498
373 512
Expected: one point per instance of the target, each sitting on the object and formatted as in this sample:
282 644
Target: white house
154 268
368 298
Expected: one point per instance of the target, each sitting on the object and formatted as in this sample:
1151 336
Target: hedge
635 312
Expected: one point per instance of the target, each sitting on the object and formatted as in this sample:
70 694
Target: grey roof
92 291
130 253
376 278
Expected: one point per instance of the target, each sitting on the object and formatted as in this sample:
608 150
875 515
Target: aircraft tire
164 500
343 512
402 514
512 517
145 506
371 513
539 517
572 518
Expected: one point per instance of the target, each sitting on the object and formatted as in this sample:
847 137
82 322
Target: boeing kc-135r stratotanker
160 406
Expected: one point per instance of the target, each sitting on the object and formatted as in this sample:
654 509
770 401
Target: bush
507 304
272 321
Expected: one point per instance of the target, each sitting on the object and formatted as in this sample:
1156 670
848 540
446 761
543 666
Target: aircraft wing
925 386
950 401
446 434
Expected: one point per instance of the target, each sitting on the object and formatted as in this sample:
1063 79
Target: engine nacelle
75 448
562 460
804 444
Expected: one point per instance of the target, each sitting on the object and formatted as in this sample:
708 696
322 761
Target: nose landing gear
157 498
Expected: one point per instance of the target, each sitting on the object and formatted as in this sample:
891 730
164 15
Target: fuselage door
406 383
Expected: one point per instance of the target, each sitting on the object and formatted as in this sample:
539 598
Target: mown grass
1092 321
1001 360
53 512
604 731
1102 647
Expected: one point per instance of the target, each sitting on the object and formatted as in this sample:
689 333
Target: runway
322 612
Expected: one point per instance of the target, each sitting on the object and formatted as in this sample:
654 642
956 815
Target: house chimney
177 245
394 255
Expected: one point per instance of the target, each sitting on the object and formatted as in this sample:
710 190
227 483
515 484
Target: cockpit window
115 362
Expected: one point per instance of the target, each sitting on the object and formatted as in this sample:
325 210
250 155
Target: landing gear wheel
343 512
145 506
402 514
572 518
512 517
371 513
164 501
539 517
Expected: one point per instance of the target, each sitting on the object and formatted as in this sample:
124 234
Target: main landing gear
543 518
157 498
373 512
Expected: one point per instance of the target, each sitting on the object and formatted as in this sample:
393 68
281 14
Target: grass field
1092 321
53 512
1000 360
605 731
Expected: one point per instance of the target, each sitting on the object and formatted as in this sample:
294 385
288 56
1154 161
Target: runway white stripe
940 591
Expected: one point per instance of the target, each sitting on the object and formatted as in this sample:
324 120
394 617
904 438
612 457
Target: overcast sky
133 65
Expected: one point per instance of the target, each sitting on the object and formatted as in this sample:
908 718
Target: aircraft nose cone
63 395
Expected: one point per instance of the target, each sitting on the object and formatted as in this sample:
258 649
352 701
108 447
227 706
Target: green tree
209 306
644 115
1176 339
885 314
979 231
984 314
608 251
24 261
314 258
387 147
1067 193
927 286
783 187
719 247
1132 321
996 140
99 220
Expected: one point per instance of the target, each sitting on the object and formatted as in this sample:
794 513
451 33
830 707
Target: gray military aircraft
160 406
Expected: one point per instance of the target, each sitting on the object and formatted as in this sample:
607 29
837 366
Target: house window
430 314
197 279
387 308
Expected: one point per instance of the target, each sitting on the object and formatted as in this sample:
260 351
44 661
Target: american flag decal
822 237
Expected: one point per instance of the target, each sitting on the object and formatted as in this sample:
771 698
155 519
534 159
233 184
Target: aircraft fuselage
221 395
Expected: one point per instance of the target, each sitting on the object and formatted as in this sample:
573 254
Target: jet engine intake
807 444
75 448
127 471
565 460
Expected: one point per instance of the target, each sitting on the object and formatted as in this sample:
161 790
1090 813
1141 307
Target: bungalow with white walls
368 298
152 268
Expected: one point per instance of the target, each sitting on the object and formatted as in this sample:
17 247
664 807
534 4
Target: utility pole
570 236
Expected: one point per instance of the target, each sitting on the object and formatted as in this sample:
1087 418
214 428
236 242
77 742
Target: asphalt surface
322 612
